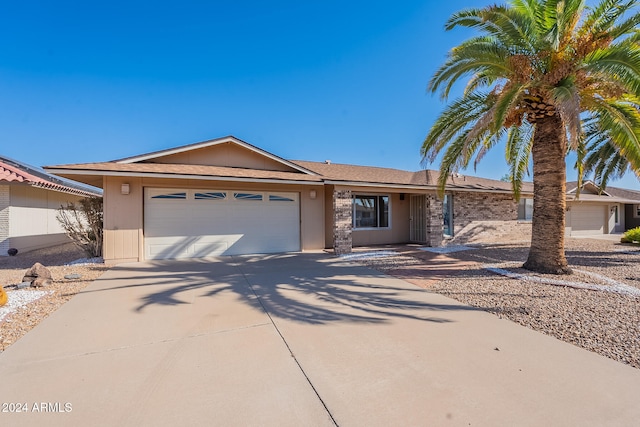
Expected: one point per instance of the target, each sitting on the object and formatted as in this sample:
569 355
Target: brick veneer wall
470 207
5 200
435 221
342 221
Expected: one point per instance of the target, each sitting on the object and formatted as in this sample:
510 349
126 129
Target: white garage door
587 220
181 223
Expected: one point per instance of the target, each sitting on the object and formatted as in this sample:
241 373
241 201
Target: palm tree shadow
309 293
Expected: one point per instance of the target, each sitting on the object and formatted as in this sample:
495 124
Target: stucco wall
226 154
123 214
32 217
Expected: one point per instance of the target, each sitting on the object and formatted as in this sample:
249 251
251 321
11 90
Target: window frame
378 211
523 200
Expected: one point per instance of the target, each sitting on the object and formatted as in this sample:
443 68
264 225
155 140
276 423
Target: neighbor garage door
587 219
182 223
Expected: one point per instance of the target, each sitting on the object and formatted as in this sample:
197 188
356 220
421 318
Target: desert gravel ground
602 322
21 320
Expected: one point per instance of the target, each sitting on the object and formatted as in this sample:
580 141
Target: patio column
342 221
435 221
4 219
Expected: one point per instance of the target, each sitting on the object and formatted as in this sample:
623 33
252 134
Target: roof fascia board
182 176
416 187
600 190
211 143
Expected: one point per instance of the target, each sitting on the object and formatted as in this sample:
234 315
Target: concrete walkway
292 340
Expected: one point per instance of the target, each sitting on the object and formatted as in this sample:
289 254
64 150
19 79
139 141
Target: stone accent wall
435 221
471 207
342 221
5 201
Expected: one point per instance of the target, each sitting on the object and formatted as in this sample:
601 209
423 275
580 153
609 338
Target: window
211 195
370 211
276 198
247 196
447 215
616 214
525 209
636 211
173 196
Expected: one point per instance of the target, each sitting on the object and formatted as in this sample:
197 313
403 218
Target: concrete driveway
293 340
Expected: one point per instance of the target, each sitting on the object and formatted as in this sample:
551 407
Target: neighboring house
601 212
29 198
225 196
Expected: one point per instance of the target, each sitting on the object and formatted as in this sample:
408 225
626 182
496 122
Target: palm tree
604 160
537 69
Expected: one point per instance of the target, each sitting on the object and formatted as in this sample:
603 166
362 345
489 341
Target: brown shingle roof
186 170
614 192
426 178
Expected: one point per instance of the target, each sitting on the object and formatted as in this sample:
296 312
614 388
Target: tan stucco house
225 196
29 199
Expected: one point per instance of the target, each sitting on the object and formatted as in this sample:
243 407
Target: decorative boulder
12 251
38 275
40 282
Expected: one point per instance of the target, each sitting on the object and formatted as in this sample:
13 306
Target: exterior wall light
124 189
313 194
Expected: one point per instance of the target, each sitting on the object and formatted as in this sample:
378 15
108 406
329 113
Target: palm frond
620 121
518 155
567 102
454 120
619 63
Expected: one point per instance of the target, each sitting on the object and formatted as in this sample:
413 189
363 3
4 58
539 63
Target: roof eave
182 176
418 187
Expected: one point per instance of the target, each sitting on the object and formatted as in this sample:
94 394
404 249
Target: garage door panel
587 220
218 223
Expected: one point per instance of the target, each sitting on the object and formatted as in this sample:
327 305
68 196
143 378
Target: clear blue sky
339 80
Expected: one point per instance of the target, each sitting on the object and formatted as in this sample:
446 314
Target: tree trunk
549 191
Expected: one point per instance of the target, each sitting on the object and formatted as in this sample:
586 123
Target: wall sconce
124 189
313 194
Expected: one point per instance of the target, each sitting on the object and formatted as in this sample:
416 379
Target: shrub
83 224
632 235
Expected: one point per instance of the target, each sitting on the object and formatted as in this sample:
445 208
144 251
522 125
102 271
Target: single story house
594 211
225 196
29 199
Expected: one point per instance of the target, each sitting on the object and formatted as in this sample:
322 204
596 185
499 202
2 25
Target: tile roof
15 171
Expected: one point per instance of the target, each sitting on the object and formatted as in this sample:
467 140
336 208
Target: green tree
537 69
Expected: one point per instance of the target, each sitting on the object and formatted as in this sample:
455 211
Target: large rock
38 275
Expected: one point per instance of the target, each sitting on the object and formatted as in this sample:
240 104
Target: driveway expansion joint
293 356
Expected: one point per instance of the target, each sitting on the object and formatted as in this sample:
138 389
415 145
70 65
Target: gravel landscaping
607 323
604 322
29 306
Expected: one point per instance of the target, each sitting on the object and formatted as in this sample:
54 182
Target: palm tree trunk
549 190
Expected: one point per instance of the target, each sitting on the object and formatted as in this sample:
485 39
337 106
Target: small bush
632 235
83 224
